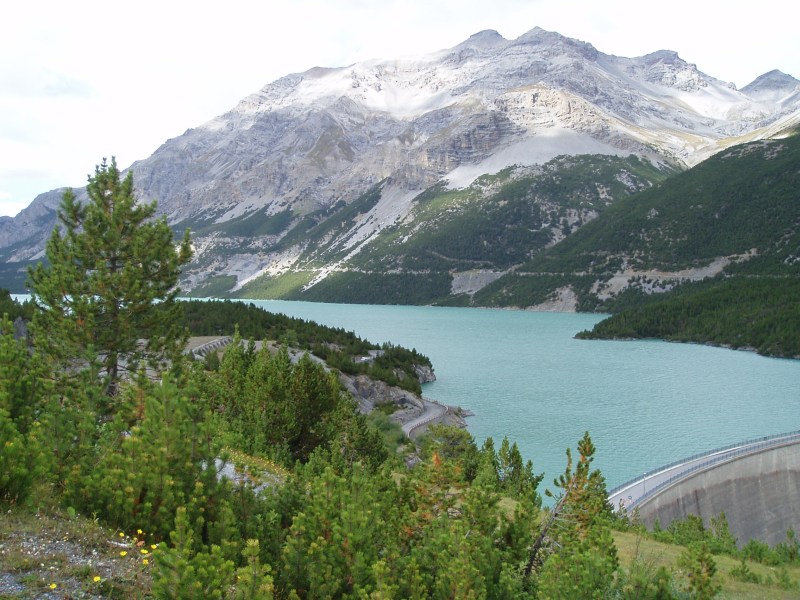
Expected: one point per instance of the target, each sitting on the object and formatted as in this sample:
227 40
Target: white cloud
87 79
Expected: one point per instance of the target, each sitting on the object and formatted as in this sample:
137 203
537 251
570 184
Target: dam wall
759 493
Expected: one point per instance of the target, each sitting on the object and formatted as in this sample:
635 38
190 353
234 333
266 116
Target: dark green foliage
190 569
110 283
352 287
700 570
222 317
760 552
783 553
14 275
758 313
341 349
452 444
586 570
392 433
789 551
13 309
505 472
574 554
215 287
742 572
256 224
643 581
24 392
530 289
470 229
156 456
271 406
500 221
691 530
345 521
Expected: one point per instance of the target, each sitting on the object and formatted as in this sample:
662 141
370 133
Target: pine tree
574 551
107 296
701 570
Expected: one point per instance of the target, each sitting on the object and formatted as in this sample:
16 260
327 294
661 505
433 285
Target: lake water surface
645 403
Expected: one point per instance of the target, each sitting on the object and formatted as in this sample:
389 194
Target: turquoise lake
645 403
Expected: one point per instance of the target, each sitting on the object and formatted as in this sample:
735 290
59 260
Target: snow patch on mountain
536 150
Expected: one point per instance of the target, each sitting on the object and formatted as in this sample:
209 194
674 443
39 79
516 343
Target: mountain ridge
309 142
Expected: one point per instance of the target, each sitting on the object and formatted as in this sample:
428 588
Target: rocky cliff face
308 145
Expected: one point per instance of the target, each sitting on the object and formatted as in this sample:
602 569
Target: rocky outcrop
408 408
370 393
424 373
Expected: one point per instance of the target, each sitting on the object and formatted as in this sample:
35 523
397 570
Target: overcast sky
82 80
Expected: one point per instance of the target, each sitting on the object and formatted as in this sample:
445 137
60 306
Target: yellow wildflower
143 550
139 531
53 586
145 562
123 553
121 534
153 546
97 578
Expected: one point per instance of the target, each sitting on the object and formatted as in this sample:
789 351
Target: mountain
736 215
374 182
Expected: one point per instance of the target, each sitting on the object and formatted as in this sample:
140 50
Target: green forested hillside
740 200
339 348
738 312
741 206
499 221
464 229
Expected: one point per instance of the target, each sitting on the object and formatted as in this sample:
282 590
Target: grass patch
633 547
280 287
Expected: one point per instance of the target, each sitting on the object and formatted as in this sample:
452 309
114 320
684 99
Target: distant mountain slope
738 211
450 241
742 202
358 145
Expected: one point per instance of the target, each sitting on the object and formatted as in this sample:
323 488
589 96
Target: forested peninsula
760 314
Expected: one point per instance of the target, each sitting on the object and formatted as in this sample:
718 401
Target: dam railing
716 456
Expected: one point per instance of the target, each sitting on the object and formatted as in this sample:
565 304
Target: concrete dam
755 483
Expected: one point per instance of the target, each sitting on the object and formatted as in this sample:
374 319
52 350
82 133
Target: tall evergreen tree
107 296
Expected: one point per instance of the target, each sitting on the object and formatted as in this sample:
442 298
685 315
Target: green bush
22 437
139 474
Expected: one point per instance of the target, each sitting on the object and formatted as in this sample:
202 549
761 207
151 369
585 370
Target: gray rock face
771 83
311 141
370 393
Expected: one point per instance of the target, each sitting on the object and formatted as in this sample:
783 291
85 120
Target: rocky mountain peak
772 83
555 43
486 39
667 68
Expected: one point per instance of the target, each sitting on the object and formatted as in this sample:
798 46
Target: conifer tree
107 295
